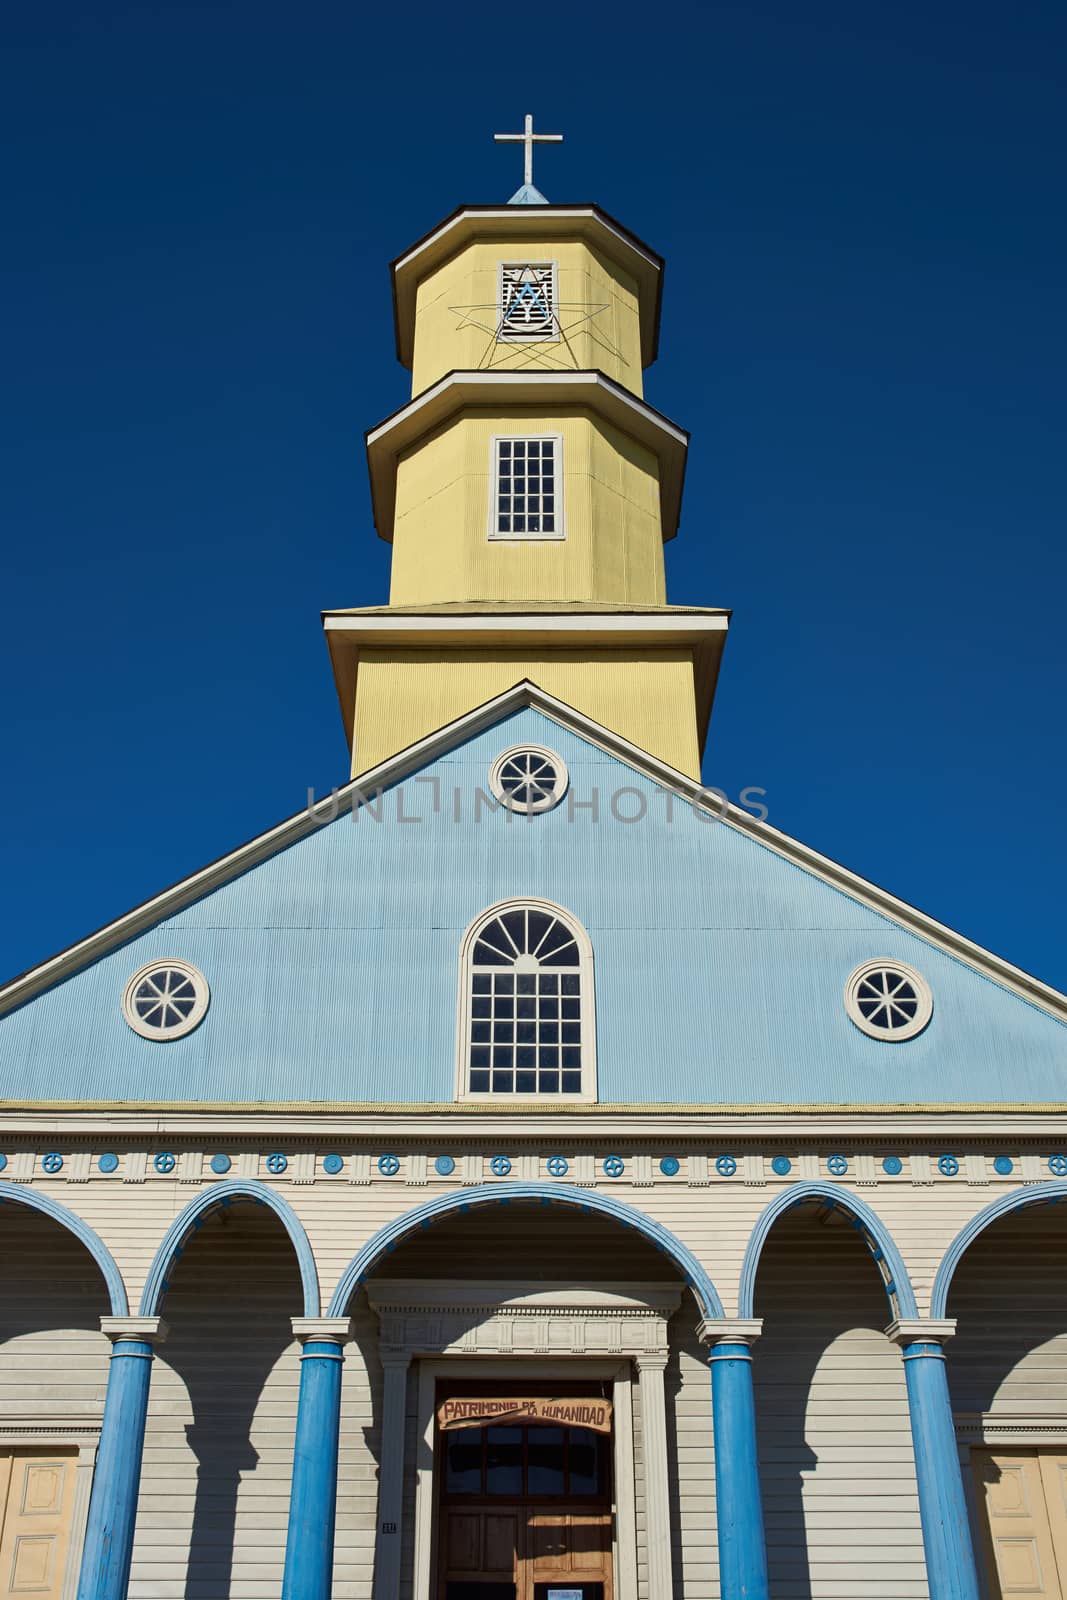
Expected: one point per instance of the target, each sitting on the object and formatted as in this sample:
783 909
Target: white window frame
923 993
148 1030
526 808
588 1092
504 337
559 532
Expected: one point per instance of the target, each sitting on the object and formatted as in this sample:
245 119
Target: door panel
1020 1552
37 1489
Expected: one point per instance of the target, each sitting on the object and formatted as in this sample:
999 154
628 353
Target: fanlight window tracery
527 993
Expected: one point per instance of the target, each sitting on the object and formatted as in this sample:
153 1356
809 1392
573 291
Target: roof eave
461 389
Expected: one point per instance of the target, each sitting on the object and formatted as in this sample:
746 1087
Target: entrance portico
605 1338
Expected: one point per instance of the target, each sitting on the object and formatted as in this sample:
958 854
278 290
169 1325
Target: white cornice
416 755
644 1127
685 625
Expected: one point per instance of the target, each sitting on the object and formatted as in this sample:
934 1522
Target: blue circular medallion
614 1166
108 1162
277 1162
220 1164
500 1166
444 1166
333 1164
781 1165
726 1166
1057 1164
948 1166
164 1162
558 1166
52 1162
838 1165
1004 1165
670 1166
388 1166
892 1165
3 1163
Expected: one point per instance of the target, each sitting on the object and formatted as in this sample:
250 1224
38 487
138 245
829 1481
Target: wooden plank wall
214 1500
837 1467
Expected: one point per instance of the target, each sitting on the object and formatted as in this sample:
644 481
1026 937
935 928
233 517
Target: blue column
951 1573
313 1499
738 1503
105 1568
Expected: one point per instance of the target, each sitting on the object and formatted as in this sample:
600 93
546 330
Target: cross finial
528 139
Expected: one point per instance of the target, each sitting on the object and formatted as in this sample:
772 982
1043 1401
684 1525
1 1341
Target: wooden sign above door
517 1411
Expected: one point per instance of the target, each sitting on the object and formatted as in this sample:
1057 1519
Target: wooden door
36 1499
1023 1500
568 1550
525 1514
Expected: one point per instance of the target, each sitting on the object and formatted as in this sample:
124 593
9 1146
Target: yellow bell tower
527 490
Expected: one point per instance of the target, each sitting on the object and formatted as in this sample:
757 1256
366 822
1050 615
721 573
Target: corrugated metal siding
214 1500
1009 1294
333 966
836 1460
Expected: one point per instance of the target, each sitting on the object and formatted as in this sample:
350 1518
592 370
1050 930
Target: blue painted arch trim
96 1247
878 1239
192 1217
1017 1200
489 1194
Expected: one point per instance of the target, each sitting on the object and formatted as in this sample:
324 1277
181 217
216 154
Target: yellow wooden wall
646 695
612 544
456 314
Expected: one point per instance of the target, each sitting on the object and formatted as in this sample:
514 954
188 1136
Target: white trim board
522 695
692 625
645 1125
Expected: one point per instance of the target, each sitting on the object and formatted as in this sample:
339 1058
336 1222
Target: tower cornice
459 390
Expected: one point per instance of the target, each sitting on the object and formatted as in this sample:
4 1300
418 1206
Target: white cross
529 139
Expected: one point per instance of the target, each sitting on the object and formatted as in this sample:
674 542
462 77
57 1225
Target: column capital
910 1330
395 1358
337 1330
149 1330
651 1360
727 1330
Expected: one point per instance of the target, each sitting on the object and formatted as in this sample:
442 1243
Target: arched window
526 1005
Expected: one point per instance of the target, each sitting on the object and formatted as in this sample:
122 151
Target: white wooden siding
1009 1358
53 1357
837 1467
248 1262
211 1519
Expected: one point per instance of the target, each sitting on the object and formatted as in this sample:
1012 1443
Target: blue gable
719 965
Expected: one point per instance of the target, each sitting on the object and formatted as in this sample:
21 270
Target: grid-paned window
527 500
525 1022
528 301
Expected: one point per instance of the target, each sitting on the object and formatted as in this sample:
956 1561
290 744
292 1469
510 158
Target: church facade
523 1175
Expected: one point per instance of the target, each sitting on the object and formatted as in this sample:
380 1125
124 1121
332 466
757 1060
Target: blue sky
862 213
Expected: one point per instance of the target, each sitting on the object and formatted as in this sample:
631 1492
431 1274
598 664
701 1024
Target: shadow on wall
50 1308
836 1462
222 1413
1009 1296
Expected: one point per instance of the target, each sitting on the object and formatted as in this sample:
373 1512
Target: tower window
526 1005
527 301
527 491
